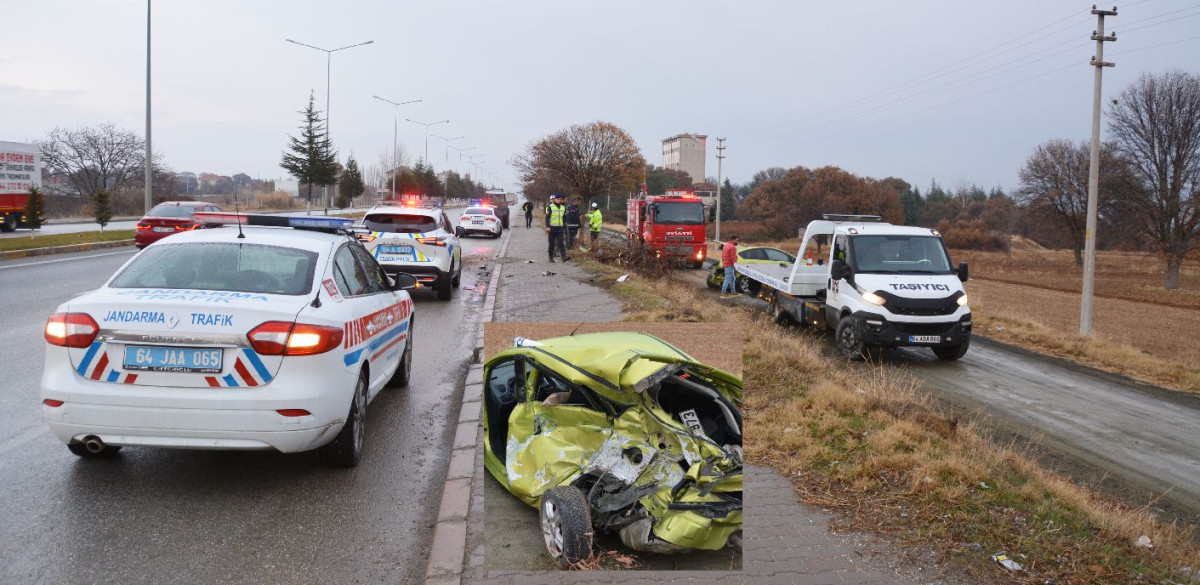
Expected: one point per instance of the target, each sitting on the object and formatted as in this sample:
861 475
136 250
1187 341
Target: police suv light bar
300 222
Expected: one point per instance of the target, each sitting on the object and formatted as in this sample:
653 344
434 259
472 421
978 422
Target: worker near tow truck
728 260
595 220
528 209
555 229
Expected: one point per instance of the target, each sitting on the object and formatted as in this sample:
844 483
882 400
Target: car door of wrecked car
552 435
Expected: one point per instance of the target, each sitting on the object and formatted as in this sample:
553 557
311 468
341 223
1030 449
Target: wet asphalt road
1148 437
162 516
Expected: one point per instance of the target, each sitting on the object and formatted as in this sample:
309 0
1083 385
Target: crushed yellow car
617 432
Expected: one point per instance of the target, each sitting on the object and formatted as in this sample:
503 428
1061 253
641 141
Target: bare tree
1054 186
586 159
1156 124
94 158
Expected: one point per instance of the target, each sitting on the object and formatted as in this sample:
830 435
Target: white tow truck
880 285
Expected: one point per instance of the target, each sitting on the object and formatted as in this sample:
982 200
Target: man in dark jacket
572 222
528 209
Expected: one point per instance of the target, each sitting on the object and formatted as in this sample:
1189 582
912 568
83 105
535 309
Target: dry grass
34 240
871 445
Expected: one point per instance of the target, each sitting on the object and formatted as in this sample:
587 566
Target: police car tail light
432 241
71 330
282 338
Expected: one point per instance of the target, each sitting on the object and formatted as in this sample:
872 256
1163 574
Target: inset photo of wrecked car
627 447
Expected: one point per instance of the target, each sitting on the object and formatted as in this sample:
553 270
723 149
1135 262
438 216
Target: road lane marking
66 259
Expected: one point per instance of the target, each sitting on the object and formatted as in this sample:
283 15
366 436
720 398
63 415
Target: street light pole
460 155
328 68
448 141
427 125
149 158
395 147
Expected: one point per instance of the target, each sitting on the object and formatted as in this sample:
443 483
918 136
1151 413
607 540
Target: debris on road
1003 560
548 273
529 261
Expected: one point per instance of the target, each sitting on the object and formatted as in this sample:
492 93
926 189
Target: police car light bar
302 222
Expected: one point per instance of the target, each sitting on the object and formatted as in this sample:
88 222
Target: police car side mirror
963 274
838 270
402 281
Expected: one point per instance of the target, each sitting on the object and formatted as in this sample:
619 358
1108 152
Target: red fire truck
672 225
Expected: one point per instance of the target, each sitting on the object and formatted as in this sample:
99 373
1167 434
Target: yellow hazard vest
595 220
556 212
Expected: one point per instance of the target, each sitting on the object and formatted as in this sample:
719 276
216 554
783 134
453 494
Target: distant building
685 152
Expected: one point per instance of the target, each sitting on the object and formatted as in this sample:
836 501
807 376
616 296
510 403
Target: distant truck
671 225
20 169
498 199
881 285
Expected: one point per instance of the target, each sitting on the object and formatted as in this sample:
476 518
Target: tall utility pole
720 159
149 158
1089 256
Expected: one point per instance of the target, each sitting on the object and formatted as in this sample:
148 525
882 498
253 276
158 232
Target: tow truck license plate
924 338
402 250
173 359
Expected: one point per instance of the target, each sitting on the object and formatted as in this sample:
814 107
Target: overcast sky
952 90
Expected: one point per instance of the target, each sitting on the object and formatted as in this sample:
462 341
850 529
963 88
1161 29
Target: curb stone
447 554
14 254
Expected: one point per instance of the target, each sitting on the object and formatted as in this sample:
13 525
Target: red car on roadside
169 217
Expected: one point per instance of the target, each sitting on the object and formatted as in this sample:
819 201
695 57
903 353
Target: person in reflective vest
595 220
556 234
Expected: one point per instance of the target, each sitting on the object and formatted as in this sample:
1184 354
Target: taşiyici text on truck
20 170
670 225
881 285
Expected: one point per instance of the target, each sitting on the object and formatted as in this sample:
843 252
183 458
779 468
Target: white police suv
416 239
235 337
480 219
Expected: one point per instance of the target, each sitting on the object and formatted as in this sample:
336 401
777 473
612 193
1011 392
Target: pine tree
351 184
102 208
35 209
312 159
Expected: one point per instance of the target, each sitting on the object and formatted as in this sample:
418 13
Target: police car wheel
404 370
443 286
457 281
346 449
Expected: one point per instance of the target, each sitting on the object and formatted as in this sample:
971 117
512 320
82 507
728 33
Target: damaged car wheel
566 525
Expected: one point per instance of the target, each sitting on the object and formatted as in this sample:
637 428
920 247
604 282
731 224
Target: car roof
185 203
317 241
617 363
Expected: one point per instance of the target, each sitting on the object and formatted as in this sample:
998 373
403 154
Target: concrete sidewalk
785 541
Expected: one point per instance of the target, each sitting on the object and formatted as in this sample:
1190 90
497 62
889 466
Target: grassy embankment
46 241
870 445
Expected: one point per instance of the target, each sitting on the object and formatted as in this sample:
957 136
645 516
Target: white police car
234 337
480 219
415 239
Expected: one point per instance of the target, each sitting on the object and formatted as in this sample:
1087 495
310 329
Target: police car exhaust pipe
93 445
